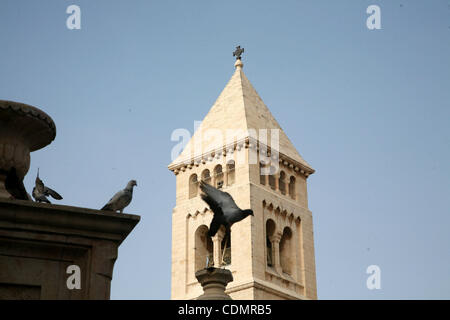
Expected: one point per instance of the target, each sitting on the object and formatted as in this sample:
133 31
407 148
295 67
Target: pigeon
225 210
41 192
121 199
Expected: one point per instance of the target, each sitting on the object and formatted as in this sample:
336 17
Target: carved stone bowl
23 129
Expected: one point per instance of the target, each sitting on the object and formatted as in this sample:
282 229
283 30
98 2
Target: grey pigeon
41 192
121 199
225 210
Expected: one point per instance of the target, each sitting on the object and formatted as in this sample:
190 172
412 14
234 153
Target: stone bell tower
241 149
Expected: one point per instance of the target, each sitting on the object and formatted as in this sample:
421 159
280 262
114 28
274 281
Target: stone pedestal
214 282
23 129
38 242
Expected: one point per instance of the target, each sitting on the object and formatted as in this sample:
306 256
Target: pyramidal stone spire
237 113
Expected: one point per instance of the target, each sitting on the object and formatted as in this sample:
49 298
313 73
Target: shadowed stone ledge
39 241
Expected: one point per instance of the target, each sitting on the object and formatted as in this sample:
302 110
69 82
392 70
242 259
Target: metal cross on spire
238 52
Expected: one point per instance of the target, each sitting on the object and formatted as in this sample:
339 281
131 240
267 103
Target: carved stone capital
214 282
276 237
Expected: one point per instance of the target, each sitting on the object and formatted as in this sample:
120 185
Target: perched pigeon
121 199
226 212
41 192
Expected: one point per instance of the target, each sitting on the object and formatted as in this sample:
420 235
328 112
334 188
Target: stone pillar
275 240
217 247
214 282
225 170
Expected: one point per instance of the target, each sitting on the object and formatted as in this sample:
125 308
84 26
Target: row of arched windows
279 246
280 253
280 182
219 179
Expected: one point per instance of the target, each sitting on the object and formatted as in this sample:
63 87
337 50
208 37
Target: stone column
225 170
275 240
214 282
217 247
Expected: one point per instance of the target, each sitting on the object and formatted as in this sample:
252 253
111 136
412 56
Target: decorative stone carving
23 129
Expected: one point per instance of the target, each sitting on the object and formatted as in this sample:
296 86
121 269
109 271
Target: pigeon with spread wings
225 210
41 191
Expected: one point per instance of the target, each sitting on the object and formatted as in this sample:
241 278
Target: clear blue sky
369 110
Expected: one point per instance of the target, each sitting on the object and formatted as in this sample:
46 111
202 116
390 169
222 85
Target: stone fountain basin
23 129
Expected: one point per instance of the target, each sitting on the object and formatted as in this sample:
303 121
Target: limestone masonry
271 255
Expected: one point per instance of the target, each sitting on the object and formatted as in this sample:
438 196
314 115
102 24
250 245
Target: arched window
203 248
282 182
292 191
231 172
262 176
272 178
286 256
218 177
206 177
227 253
270 229
193 186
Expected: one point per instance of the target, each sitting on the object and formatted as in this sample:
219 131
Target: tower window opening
262 176
203 248
272 179
286 255
269 252
282 182
206 177
226 250
270 229
292 191
218 177
231 172
193 186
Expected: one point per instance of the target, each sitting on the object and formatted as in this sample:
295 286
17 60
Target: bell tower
240 148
